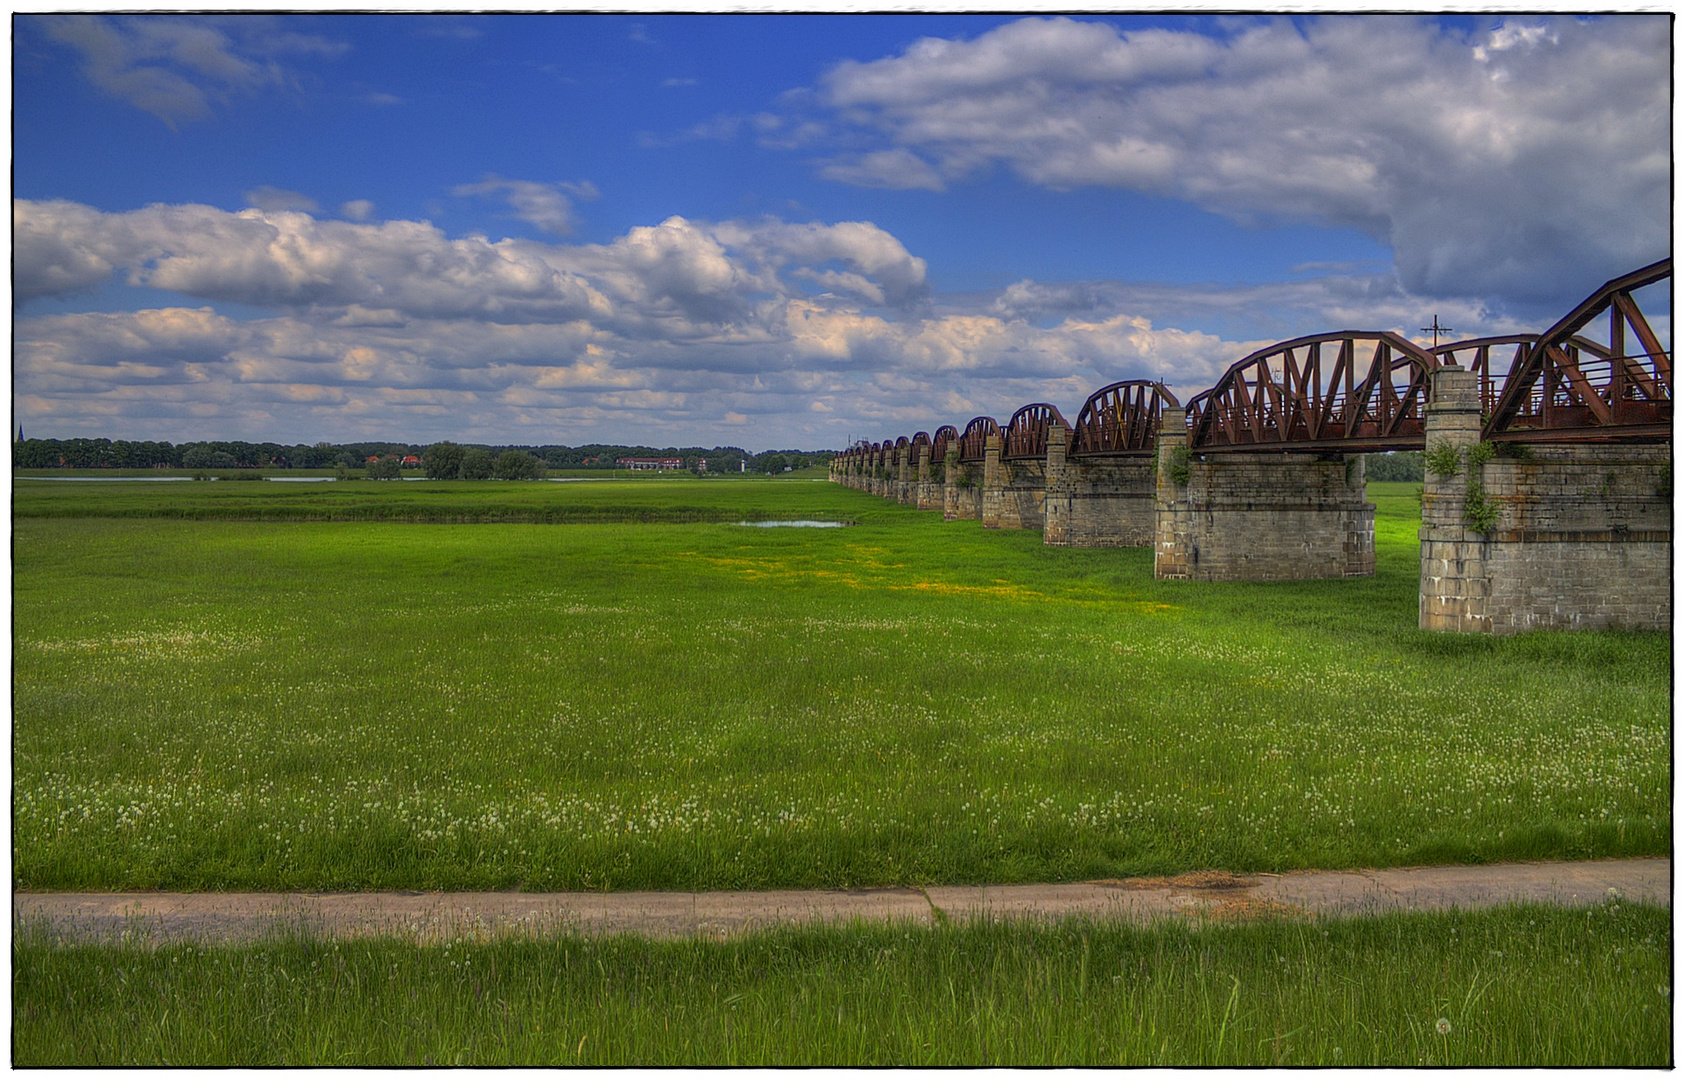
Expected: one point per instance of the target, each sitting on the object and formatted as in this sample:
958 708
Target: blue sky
783 231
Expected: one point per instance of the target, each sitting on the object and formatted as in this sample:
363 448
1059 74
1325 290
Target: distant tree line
469 461
127 454
448 461
1398 465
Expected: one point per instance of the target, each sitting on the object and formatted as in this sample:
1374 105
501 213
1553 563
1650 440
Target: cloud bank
1517 161
807 332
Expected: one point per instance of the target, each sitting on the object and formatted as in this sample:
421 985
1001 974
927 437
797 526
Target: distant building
411 462
650 464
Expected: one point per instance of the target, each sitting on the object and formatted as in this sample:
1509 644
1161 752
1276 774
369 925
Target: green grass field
1522 986
612 685
214 690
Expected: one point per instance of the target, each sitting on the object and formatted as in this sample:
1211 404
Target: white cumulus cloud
1501 163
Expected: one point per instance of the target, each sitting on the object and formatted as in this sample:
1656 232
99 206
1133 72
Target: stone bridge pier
962 488
929 494
1099 501
1252 516
1536 535
1014 490
903 490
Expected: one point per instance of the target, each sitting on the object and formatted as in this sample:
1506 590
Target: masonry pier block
994 482
1102 502
962 488
929 495
1580 535
1022 494
1243 516
904 491
1056 503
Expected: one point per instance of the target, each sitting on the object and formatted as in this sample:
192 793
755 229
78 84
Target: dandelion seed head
1443 1026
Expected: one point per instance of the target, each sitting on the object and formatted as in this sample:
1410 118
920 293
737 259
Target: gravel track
228 917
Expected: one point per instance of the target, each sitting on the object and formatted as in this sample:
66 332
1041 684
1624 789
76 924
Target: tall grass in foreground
209 704
1513 987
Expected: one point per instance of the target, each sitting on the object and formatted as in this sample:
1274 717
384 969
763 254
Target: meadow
615 685
334 686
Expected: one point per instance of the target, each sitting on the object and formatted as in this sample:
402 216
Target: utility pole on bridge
1437 330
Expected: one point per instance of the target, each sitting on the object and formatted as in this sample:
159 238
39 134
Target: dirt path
432 916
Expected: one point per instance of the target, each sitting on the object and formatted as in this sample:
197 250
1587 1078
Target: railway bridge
1546 501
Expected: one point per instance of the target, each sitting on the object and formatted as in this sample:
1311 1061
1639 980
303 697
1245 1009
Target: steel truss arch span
1122 419
1027 432
1353 390
1572 388
975 439
1495 359
939 442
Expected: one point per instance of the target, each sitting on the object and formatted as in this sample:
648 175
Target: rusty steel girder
974 441
1354 390
1494 359
1122 419
921 439
1572 388
1027 431
939 442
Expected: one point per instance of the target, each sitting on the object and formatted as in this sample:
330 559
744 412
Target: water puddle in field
796 524
299 479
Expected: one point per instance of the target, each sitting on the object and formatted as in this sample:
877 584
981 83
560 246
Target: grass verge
1506 987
